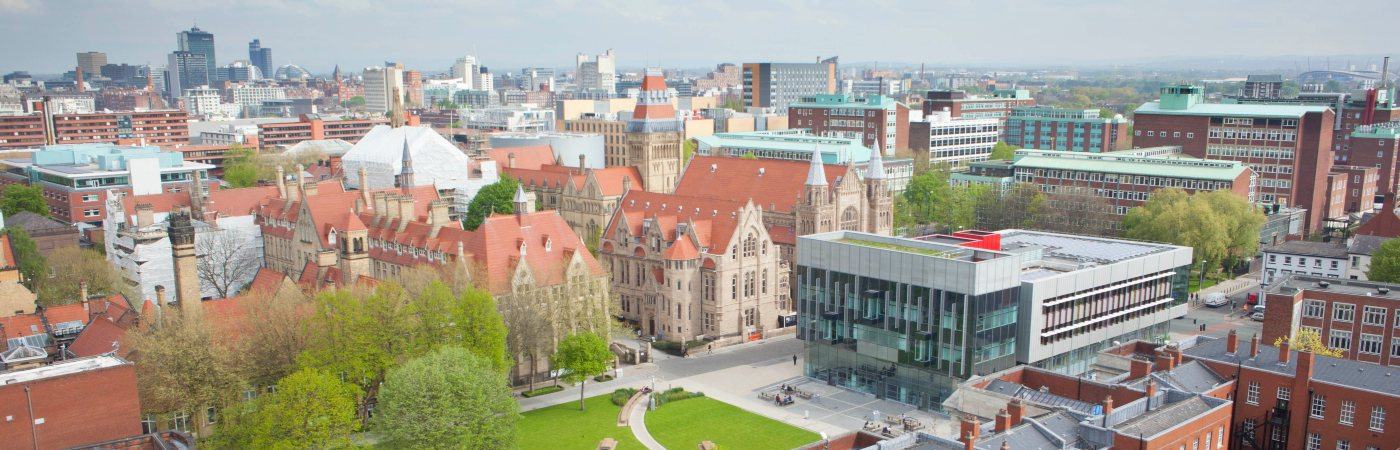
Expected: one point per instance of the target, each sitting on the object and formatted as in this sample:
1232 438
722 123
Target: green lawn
684 424
563 426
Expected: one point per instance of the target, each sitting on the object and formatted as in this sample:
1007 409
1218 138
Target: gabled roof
610 180
100 336
1384 224
711 220
531 157
778 187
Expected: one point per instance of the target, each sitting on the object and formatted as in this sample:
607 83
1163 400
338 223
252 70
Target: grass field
684 424
564 427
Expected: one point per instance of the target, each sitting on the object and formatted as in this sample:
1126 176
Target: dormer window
330 236
548 244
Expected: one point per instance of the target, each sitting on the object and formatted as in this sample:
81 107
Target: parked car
1216 300
1258 315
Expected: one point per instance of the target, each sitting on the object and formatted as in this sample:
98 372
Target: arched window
850 219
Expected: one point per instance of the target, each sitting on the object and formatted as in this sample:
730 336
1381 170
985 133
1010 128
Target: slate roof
31 222
1342 372
1164 417
1309 248
1365 245
1044 398
1191 376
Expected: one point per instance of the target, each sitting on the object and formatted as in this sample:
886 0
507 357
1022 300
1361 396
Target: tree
688 150
495 198
1241 220
359 335
33 268
470 321
179 364
309 409
748 155
18 197
580 357
530 334
227 261
1385 262
240 167
353 101
1021 206
1077 210
271 333
1003 151
450 398
1305 340
1220 226
78 265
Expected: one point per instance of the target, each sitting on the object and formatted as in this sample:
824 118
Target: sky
42 36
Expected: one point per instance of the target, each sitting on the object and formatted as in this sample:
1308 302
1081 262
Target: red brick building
164 128
1361 187
1288 146
1357 317
1336 196
70 403
1296 400
315 126
1376 146
879 122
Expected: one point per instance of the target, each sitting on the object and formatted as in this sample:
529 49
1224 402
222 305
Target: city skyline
430 36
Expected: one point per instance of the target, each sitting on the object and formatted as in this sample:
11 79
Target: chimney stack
301 180
145 215
1283 353
969 430
1017 410
364 185
1003 421
78 79
1254 346
1232 342
1139 368
281 182
1107 405
1304 371
626 183
83 291
582 161
510 160
1165 361
160 296
406 215
1151 391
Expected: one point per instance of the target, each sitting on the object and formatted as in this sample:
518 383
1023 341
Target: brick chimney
1232 342
1138 368
510 160
1151 391
626 183
1107 405
1254 346
969 430
1003 421
160 296
1165 361
78 79
1283 353
281 182
405 211
1304 371
1017 410
1175 352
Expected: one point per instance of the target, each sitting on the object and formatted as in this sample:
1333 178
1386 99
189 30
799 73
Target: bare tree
530 335
1079 210
227 260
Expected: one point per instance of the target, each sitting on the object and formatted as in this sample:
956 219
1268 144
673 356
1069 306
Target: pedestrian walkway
637 420
632 376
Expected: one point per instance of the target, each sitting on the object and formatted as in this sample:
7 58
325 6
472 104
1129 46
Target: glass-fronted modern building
909 319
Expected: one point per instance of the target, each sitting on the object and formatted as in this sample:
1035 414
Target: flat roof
1295 282
1233 109
1160 166
59 369
1078 249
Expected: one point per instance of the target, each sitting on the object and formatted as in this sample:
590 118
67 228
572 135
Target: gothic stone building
586 198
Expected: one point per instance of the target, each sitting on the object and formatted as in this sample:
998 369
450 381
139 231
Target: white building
72 104
434 161
252 96
950 141
1321 259
465 68
597 74
523 117
380 85
203 101
437 91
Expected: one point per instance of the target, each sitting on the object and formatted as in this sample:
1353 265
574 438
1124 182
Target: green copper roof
1175 167
1242 110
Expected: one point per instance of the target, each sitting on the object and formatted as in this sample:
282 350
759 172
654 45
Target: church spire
405 177
816 173
876 170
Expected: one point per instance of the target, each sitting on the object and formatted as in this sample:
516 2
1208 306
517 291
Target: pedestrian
710 348
794 359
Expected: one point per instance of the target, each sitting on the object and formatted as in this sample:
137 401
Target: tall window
734 287
1251 395
1373 315
763 282
180 421
148 423
1249 425
1314 441
1343 312
750 245
1319 406
1377 418
1340 340
1284 393
1313 308
1348 413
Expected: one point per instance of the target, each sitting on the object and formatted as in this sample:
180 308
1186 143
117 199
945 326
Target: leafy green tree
1022 206
688 150
925 194
78 265
495 198
359 335
450 399
1217 225
19 197
748 155
1003 151
582 356
33 268
240 166
309 409
470 321
1385 263
353 101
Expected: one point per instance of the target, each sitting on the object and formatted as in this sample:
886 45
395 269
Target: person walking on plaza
794 359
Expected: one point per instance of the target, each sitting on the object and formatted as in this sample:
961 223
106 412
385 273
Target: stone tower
880 213
815 212
654 136
405 176
181 232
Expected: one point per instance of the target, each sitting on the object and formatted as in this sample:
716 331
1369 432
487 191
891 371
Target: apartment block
314 127
776 85
1051 128
941 139
878 121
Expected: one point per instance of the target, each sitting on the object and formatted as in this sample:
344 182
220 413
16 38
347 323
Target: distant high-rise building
185 70
775 85
1263 86
483 81
465 68
413 87
380 85
119 72
92 62
537 78
198 41
261 57
598 74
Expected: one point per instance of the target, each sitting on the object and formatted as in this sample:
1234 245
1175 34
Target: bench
607 444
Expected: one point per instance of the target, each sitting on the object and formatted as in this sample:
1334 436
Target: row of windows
1345 312
1248 151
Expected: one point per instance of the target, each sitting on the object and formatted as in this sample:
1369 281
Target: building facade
655 135
1051 128
77 179
943 140
776 85
1286 145
308 127
1352 316
1377 146
961 105
877 122
586 198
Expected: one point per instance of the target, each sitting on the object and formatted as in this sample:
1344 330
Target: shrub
676 348
675 394
602 378
620 396
542 391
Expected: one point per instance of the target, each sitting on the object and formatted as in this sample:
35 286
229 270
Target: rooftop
59 369
1336 371
1295 282
834 150
1077 250
1386 130
1132 163
1310 248
845 101
1239 109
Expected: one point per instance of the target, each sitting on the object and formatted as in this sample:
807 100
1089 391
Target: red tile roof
681 250
532 157
100 336
712 220
610 180
1384 224
7 254
778 188
239 201
266 281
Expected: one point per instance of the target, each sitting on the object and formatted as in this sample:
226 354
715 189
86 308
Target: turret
405 178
